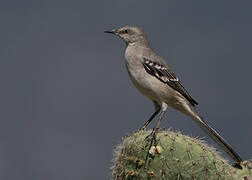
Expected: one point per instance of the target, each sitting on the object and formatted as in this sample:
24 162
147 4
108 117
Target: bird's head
130 35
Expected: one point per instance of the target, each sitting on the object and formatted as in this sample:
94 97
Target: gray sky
66 99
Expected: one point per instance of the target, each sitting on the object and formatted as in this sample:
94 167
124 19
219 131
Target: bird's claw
151 136
151 139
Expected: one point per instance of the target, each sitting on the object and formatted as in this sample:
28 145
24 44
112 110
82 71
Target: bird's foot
151 136
143 128
151 140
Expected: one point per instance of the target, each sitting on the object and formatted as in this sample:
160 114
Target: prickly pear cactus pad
175 156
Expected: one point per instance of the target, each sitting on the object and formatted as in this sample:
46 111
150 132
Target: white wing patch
160 71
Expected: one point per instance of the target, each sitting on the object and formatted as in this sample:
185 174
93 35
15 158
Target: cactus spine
175 156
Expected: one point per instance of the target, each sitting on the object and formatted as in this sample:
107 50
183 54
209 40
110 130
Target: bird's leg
146 124
157 110
153 136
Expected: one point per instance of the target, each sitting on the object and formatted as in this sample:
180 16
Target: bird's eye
124 31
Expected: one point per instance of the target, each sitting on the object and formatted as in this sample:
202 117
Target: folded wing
165 75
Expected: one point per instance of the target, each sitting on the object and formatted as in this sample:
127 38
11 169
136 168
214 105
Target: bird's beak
113 31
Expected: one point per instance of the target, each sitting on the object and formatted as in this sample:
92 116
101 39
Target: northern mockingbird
155 80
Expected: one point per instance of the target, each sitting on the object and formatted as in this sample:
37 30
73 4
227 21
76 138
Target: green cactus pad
175 156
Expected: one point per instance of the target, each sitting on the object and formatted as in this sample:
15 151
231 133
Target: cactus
175 156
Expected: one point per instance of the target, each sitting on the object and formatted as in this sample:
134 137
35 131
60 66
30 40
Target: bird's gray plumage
165 75
154 79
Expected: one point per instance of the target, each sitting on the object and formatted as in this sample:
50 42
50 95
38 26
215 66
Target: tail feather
217 138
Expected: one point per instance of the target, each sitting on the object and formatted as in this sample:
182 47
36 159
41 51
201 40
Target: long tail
217 138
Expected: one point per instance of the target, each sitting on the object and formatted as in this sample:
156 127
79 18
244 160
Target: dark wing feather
167 76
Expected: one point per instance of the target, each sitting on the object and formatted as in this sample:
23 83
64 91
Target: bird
154 79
